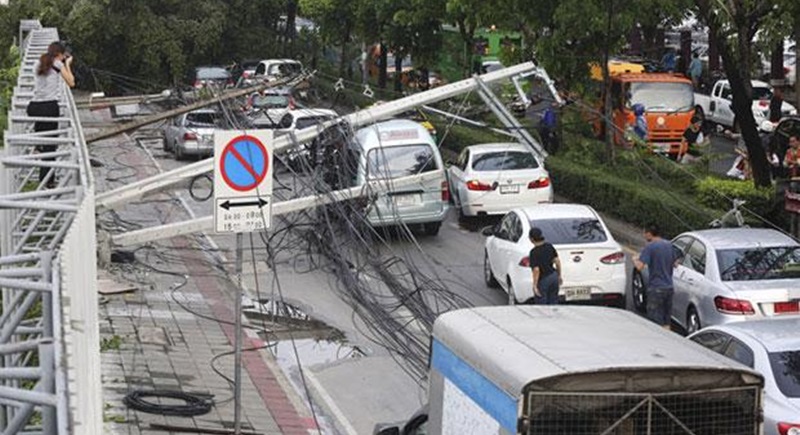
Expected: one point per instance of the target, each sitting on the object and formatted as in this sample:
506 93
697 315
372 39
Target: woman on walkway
50 69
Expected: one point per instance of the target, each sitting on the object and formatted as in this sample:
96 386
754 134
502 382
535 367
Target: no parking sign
242 180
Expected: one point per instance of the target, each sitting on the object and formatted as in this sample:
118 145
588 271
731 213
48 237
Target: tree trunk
713 54
291 31
796 69
383 67
776 74
398 71
343 58
607 109
466 37
739 79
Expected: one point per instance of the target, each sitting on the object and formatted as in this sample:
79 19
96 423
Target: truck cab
578 370
669 105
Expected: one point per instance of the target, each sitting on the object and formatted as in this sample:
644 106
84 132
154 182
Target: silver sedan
734 274
772 348
192 133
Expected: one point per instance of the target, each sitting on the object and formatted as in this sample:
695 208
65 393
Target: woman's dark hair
47 59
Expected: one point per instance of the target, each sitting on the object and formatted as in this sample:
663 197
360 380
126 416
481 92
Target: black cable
196 404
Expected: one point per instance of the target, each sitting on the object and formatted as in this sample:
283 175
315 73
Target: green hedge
631 201
718 193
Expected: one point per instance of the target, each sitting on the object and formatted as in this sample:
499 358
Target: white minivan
398 148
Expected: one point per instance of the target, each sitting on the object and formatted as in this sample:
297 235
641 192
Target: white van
274 69
398 148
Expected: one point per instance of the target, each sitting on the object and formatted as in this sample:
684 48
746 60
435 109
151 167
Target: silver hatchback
734 274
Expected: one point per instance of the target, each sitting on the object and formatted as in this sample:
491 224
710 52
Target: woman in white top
52 67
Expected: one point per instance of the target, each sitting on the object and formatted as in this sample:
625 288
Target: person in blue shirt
548 128
660 257
695 70
668 61
640 128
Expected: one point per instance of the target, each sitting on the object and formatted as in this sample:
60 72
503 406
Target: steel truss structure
48 324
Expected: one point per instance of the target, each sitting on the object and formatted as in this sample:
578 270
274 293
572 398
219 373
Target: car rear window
213 74
271 101
205 118
759 263
504 161
311 121
399 161
571 230
786 369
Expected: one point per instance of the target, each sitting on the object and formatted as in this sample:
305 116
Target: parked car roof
732 238
505 146
776 334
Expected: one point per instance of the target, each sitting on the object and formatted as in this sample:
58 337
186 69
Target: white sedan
772 348
593 262
495 178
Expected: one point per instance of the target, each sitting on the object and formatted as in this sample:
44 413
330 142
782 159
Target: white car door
502 246
680 299
723 113
692 276
456 175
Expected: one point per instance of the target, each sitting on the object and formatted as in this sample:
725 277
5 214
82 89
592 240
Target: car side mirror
488 231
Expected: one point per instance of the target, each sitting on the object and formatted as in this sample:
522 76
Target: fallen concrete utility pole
131 192
105 134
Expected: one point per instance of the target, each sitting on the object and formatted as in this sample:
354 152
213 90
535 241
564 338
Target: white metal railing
49 332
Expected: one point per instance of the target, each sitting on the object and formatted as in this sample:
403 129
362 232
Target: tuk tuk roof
517 346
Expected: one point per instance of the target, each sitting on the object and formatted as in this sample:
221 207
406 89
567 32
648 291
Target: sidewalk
166 333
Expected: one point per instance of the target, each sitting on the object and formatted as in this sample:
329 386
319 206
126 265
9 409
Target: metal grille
709 412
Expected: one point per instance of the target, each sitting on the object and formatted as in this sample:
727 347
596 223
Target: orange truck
668 100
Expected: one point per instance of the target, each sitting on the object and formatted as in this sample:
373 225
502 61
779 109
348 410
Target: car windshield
786 370
399 161
201 119
759 263
212 74
568 231
270 101
761 93
666 97
503 161
310 121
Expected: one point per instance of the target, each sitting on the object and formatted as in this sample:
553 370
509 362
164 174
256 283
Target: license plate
578 294
509 188
407 200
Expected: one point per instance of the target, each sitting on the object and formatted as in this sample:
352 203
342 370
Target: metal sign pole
237 369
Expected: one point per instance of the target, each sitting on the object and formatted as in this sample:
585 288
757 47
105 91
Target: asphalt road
355 392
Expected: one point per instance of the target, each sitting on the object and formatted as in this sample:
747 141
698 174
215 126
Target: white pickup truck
717 107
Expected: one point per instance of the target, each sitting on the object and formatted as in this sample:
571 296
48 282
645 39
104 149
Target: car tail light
615 258
787 307
789 428
189 136
198 84
291 104
763 103
477 185
246 74
230 82
786 71
538 184
445 191
733 306
525 261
